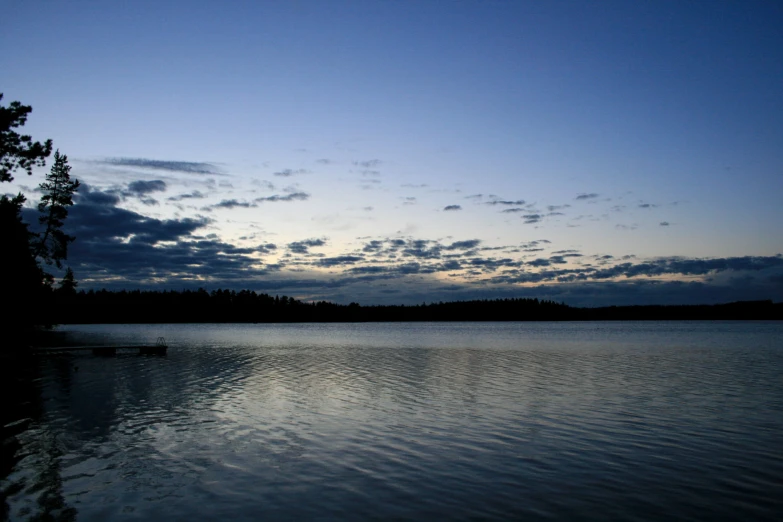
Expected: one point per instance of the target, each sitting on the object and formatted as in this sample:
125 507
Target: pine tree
58 189
68 284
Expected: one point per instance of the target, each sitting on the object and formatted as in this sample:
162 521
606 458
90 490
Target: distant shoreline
224 306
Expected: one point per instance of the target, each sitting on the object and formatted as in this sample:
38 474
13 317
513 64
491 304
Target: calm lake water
533 421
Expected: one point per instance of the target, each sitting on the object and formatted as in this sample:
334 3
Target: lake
534 421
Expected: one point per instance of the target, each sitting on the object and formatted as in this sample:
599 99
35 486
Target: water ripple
626 421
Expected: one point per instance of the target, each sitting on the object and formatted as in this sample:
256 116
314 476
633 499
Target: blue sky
396 152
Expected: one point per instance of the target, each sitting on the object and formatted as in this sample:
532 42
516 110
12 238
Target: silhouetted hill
245 306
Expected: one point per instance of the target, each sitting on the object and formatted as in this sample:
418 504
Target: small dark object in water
159 348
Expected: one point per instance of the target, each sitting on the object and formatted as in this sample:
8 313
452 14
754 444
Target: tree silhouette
26 289
68 284
58 189
21 288
19 151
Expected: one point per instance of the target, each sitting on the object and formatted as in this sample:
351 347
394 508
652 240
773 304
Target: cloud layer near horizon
118 247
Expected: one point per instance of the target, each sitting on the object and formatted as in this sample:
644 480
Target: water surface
568 421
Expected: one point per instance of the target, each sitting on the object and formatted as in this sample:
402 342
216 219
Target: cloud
264 184
489 264
413 282
324 161
657 268
464 245
118 245
96 216
373 246
140 187
231 203
188 167
290 172
532 218
664 223
302 247
120 248
191 195
513 210
591 195
452 207
505 202
423 249
368 164
339 260
294 196
235 203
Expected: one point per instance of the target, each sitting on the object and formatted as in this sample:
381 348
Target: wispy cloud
505 202
582 197
294 196
285 173
452 207
231 203
189 167
339 260
368 164
235 203
190 195
264 184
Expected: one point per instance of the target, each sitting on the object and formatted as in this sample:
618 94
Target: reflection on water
563 421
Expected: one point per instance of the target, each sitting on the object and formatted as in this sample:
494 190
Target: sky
399 152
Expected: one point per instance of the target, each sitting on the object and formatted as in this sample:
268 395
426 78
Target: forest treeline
221 306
